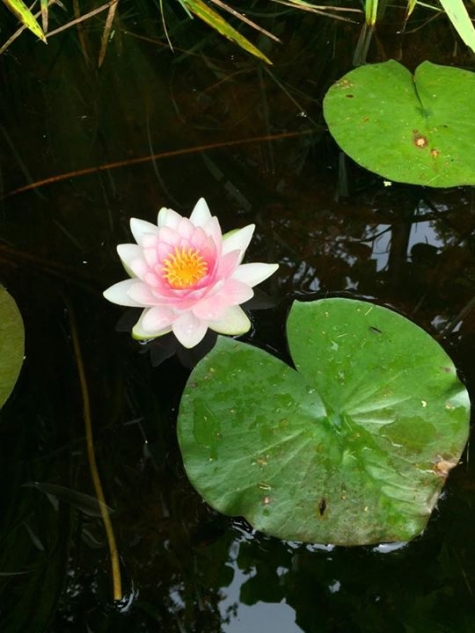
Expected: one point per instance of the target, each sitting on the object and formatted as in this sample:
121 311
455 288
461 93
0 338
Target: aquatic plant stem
152 157
116 577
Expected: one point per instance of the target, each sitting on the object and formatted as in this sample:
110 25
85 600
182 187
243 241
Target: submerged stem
116 577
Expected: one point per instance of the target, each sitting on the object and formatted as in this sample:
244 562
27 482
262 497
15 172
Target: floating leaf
353 447
12 344
417 129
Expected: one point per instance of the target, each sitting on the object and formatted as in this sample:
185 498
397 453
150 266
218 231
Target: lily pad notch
418 129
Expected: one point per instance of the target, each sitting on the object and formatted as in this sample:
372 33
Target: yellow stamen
184 267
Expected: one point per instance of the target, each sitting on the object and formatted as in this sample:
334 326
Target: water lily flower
188 276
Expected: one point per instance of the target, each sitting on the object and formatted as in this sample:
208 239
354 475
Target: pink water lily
187 276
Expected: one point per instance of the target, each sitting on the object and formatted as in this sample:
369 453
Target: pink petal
253 274
210 308
228 263
150 244
233 322
213 230
232 293
164 250
236 291
199 239
169 236
156 319
189 330
185 228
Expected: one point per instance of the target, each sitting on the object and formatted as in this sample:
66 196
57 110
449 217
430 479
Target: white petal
189 330
142 294
156 318
168 217
213 230
129 254
253 274
234 322
200 214
139 227
238 240
119 293
140 334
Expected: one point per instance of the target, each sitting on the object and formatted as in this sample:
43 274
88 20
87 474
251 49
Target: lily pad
351 447
12 342
418 129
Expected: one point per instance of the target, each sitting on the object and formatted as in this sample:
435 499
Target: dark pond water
333 227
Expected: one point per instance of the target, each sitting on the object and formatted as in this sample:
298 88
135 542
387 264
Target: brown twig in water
144 159
107 30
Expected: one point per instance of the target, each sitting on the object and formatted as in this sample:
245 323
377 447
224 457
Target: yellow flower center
184 267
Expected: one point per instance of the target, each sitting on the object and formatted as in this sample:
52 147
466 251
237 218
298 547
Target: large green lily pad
418 129
352 447
12 342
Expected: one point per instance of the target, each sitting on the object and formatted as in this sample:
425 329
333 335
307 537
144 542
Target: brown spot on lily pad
419 140
443 466
322 506
345 83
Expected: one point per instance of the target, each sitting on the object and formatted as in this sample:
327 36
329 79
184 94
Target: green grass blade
213 19
457 14
19 8
411 4
371 12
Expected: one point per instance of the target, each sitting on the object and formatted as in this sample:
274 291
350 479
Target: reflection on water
257 617
184 567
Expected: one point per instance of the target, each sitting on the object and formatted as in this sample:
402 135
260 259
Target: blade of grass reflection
81 32
116 576
287 93
18 158
144 159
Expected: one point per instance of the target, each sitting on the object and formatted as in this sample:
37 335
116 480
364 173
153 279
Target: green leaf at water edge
352 447
12 343
418 129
